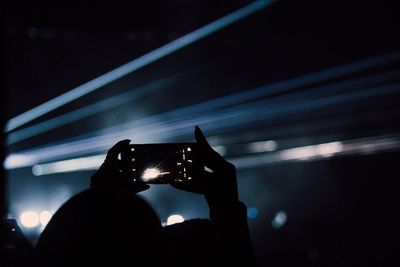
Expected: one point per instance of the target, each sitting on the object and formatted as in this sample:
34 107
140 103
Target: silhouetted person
194 243
15 250
110 224
90 230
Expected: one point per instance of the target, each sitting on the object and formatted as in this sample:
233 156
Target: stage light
234 99
229 117
135 64
78 164
279 219
307 152
150 128
355 146
299 153
45 217
263 146
329 149
19 160
29 219
252 212
371 145
92 109
175 218
37 170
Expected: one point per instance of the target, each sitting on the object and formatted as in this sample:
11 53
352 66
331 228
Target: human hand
218 186
115 175
227 214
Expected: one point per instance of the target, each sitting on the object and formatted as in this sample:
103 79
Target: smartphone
166 163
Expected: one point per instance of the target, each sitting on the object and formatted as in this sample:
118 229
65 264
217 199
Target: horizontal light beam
362 146
270 107
163 130
368 145
264 91
135 64
78 164
90 110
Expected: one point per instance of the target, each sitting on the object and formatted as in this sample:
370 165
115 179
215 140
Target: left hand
115 175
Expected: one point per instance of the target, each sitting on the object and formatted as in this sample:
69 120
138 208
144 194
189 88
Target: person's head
123 230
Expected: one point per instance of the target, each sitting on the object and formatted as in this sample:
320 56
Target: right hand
219 186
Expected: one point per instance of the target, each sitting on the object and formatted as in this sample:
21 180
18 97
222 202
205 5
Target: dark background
341 210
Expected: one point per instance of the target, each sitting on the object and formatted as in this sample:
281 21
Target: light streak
77 164
220 103
90 110
360 146
135 64
279 220
210 105
239 116
319 151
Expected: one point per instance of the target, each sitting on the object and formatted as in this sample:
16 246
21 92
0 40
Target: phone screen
165 163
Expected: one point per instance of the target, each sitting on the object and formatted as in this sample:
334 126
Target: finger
139 187
208 155
126 157
132 184
199 184
112 154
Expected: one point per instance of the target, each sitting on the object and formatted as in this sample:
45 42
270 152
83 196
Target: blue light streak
213 107
234 99
311 152
369 145
92 109
258 112
135 64
163 130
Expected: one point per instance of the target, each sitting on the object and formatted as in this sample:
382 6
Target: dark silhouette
15 248
109 223
192 243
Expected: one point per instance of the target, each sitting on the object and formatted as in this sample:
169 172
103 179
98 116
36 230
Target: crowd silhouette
110 224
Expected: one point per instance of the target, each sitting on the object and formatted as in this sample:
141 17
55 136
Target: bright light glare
263 146
18 160
135 64
252 212
307 152
328 149
78 164
279 219
29 219
37 170
151 173
175 218
45 217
